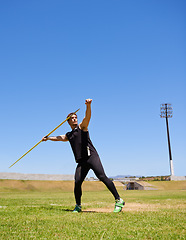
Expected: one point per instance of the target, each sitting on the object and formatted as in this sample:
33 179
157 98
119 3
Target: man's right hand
45 138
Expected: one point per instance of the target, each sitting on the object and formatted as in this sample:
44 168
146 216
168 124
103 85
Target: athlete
86 156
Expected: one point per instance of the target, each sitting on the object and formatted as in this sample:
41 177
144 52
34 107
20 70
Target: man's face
73 120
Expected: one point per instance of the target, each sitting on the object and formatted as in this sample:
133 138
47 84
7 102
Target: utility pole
166 112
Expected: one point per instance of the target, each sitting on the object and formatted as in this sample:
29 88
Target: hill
68 186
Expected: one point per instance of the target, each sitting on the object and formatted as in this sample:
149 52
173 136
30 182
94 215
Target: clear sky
128 56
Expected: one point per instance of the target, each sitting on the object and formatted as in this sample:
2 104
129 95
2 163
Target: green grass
45 215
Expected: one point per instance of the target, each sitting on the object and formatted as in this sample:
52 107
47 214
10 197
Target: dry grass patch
129 207
137 207
45 186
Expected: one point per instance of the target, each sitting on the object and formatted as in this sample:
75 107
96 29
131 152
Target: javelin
46 136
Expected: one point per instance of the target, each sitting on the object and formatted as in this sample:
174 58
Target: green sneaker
77 209
119 205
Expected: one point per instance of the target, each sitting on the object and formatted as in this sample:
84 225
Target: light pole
166 112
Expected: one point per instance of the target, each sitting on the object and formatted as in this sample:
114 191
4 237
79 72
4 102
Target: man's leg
80 174
97 167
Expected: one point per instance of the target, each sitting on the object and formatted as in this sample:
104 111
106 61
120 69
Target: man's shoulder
83 128
76 129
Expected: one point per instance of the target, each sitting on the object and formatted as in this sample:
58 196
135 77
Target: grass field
41 214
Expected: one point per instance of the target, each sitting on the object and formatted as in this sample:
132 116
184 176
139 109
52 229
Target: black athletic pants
82 169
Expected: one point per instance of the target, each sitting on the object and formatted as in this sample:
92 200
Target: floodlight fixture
166 110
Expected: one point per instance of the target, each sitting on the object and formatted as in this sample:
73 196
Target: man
86 156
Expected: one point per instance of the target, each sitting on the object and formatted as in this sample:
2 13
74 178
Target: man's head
72 121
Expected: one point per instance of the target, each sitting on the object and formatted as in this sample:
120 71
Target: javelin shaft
46 135
62 123
26 153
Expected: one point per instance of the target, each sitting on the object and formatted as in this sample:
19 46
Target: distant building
91 179
139 186
178 178
128 179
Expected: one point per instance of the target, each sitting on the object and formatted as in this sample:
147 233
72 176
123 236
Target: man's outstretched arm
84 124
62 138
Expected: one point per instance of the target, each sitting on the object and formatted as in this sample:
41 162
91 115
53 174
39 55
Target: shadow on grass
58 208
69 210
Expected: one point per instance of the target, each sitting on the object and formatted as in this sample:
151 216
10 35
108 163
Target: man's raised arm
84 124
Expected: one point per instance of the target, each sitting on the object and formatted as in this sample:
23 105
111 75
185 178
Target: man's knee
78 182
103 178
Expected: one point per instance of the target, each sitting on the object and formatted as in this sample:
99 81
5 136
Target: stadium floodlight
166 112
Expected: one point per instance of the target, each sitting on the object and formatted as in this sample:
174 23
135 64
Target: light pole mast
166 112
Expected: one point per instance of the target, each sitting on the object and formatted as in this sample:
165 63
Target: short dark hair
71 114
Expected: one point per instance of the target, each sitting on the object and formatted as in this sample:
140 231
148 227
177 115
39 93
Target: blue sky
128 56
